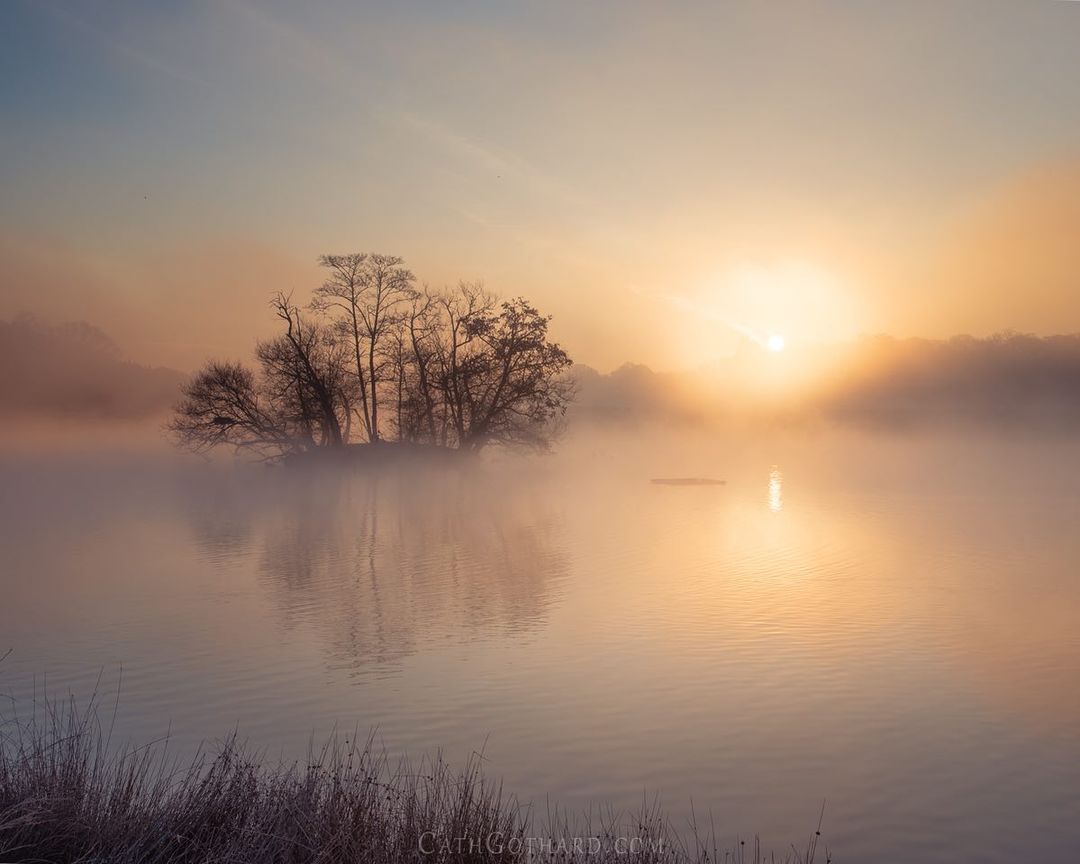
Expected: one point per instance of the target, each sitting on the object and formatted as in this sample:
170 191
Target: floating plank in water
687 481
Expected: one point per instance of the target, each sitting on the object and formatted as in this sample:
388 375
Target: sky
664 179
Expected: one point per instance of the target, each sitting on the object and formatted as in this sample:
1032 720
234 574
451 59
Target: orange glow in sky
664 185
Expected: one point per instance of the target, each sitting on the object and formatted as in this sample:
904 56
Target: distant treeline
1008 380
372 357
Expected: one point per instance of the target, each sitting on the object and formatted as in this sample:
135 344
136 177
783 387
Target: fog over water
885 622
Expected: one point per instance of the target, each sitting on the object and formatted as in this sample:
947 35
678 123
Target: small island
457 370
687 481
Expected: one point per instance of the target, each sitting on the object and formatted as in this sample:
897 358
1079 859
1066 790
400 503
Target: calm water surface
891 626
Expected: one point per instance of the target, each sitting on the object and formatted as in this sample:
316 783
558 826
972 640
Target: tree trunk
365 416
374 394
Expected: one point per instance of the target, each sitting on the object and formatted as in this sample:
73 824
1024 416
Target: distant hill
636 391
75 370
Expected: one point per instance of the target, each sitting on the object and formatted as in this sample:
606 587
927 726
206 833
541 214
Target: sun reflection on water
776 489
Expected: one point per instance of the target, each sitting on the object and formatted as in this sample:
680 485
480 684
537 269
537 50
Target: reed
69 794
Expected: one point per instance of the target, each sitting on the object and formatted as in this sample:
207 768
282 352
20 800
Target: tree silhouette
364 296
461 370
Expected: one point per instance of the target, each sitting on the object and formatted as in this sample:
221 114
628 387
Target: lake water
888 625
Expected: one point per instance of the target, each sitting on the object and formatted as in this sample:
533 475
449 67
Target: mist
70 382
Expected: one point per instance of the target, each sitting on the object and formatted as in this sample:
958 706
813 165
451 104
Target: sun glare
775 343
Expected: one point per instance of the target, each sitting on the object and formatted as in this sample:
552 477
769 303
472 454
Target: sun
775 343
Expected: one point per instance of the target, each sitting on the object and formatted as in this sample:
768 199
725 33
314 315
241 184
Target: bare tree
420 332
298 401
306 360
343 294
221 406
457 355
512 390
388 286
367 292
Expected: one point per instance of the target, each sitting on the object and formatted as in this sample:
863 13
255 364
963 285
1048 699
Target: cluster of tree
375 358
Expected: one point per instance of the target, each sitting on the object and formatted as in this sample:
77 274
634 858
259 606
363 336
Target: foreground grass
68 795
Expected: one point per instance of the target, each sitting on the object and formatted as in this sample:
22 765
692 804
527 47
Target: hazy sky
660 177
